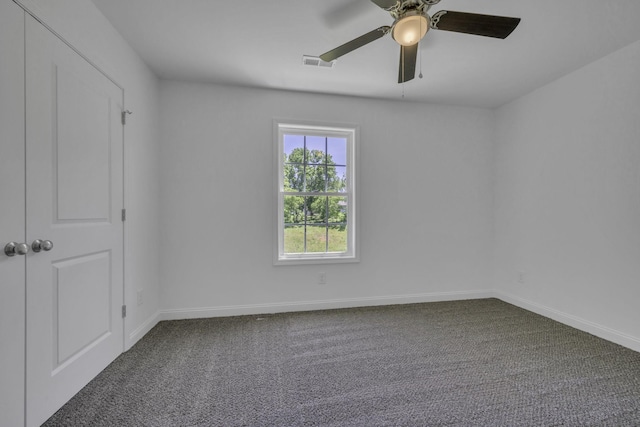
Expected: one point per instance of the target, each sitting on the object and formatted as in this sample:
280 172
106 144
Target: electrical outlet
521 277
139 297
322 278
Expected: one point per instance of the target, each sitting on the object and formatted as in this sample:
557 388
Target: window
316 193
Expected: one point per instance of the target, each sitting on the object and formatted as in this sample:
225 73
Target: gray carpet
463 363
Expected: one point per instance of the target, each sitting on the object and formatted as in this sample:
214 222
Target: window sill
311 260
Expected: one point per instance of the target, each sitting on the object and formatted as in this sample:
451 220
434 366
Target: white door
12 276
74 197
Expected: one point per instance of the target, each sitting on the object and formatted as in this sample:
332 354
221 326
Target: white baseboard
284 307
601 331
584 325
143 329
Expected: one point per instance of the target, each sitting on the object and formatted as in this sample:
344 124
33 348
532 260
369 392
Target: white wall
567 198
425 198
81 24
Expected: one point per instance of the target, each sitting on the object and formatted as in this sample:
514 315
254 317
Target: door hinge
124 311
124 116
124 214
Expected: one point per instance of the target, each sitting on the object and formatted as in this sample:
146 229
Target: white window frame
350 132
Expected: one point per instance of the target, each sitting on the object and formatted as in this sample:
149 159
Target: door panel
82 187
12 269
74 196
80 326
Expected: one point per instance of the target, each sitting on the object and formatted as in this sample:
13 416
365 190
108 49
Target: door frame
12 222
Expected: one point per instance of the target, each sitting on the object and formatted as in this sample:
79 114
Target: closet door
74 197
12 268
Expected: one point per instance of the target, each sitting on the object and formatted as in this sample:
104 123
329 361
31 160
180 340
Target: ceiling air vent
314 61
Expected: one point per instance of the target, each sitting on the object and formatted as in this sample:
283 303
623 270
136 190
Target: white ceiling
260 43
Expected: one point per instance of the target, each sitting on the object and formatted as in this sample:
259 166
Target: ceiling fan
411 23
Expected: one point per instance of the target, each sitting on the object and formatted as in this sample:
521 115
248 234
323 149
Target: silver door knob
41 245
13 248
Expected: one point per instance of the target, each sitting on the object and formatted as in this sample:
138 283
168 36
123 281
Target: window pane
337 238
337 151
316 147
293 177
293 210
315 157
316 238
294 239
316 178
337 224
291 142
337 210
337 178
293 169
316 209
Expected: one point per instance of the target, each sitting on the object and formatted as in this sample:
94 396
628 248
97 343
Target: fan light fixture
411 24
410 28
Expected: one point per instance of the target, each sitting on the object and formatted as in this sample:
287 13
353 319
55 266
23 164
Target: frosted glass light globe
410 29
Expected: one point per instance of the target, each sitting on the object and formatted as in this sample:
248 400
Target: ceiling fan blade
472 23
385 4
355 43
408 55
